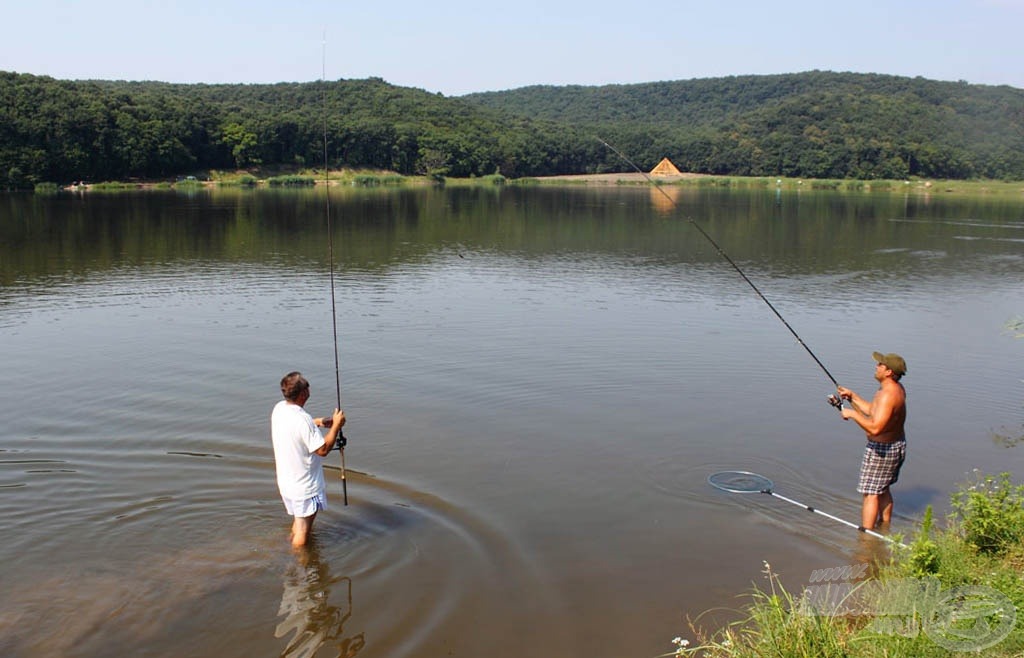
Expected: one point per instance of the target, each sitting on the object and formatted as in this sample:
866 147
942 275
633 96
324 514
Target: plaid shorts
881 466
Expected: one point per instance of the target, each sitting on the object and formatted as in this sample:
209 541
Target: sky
456 47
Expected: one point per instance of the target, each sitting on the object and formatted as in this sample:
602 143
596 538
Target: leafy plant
990 512
924 552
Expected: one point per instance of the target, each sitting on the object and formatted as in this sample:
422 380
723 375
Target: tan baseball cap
891 361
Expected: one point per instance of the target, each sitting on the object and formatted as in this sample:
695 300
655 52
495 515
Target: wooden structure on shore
665 168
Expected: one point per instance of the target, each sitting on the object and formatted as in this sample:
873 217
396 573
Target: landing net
740 482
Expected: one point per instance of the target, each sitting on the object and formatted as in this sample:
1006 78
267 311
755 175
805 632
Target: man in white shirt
299 448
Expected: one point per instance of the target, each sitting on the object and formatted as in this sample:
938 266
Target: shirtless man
882 419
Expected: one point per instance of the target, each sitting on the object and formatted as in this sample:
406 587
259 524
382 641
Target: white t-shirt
300 471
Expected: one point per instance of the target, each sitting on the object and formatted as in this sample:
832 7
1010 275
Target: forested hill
61 131
708 101
816 124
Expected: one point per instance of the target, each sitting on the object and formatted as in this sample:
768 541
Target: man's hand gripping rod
837 402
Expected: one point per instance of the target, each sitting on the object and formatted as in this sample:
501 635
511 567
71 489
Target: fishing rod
341 440
835 401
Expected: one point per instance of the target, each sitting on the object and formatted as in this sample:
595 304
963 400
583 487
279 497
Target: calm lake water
538 383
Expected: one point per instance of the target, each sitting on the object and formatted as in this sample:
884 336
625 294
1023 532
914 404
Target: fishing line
724 255
341 440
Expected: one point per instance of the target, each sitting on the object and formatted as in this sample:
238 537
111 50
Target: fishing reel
340 441
835 401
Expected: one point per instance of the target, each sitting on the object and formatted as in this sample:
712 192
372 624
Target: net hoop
740 482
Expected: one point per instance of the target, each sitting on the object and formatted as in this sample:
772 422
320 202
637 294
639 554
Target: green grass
490 180
238 180
113 186
377 180
953 592
291 181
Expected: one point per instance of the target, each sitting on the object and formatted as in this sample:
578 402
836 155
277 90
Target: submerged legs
301 528
877 509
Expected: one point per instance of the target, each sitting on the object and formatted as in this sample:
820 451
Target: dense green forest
814 125
64 131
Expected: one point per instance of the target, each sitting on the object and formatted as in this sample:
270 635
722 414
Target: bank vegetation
956 590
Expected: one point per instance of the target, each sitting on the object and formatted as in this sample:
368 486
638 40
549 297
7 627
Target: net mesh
740 482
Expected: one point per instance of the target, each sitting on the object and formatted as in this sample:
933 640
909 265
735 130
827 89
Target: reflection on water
315 607
665 198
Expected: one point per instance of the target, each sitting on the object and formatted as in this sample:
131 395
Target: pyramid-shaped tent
665 168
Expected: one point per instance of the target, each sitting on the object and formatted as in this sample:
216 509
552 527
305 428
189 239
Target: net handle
809 508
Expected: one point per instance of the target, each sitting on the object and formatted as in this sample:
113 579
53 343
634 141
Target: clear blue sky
456 46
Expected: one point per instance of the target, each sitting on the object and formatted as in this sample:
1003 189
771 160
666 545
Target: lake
538 382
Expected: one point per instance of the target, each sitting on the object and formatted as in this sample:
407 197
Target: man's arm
874 417
856 401
337 420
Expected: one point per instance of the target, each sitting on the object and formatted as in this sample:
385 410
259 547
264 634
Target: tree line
816 124
813 125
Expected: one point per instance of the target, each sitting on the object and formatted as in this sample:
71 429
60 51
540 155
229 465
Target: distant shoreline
344 177
688 180
619 178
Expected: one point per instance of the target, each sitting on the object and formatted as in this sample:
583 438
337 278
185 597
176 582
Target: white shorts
304 508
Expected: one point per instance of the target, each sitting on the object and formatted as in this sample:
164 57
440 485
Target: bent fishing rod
341 441
835 401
